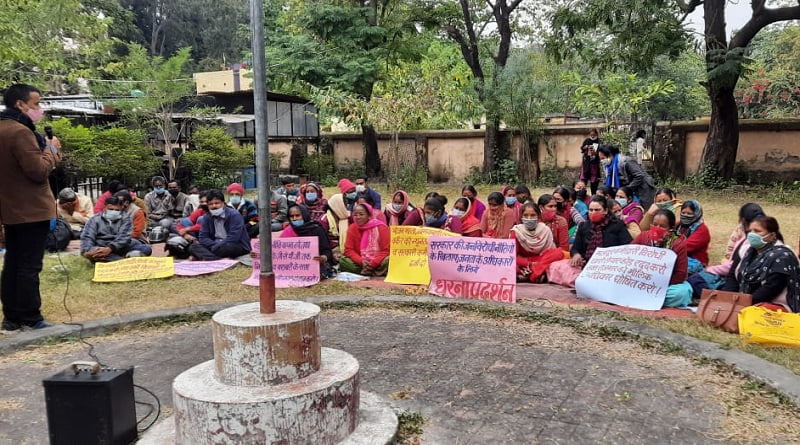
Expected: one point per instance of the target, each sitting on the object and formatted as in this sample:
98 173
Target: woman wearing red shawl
470 225
555 222
470 193
397 210
510 195
311 197
535 247
366 249
498 220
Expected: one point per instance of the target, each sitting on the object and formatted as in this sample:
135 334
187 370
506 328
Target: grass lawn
87 300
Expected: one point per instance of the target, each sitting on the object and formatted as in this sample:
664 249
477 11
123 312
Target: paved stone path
475 380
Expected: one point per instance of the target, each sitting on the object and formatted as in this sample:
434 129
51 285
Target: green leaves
617 96
216 157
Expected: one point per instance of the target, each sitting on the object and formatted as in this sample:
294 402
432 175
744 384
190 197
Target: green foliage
320 167
410 178
216 159
707 178
616 97
689 99
351 169
505 173
113 152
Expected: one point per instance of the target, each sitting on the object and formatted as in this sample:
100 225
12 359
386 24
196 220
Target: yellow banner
134 269
408 257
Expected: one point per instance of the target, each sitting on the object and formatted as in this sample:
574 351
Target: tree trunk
372 160
722 142
491 144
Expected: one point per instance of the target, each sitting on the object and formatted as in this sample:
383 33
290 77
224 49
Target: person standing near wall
26 161
590 164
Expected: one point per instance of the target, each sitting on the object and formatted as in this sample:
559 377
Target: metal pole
266 277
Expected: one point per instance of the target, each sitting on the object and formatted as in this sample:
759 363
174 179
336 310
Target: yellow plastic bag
769 328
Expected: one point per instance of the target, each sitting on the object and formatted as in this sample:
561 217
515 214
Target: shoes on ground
41 324
10 326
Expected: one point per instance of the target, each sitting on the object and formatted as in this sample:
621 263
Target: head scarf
516 207
316 208
394 215
469 223
370 237
534 241
308 228
338 217
696 220
494 219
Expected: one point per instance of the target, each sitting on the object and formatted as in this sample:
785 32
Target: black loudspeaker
91 406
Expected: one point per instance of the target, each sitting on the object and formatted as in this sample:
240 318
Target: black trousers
19 281
228 250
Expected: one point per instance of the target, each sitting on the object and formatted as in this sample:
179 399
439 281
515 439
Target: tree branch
759 20
690 6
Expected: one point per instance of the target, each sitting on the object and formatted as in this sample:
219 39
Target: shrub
216 159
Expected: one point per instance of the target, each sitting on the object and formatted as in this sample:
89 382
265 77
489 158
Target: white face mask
360 188
458 213
605 162
217 212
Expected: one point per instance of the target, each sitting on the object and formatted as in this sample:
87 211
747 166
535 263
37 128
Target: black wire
91 353
158 409
149 405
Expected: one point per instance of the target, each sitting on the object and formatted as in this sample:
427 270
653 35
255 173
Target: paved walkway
475 380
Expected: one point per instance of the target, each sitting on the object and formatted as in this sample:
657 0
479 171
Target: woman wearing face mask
696 233
581 193
665 199
747 213
311 196
602 230
555 222
510 195
523 194
631 213
245 207
436 217
662 234
535 247
337 221
498 220
625 171
366 250
590 164
580 199
417 217
399 209
713 277
478 207
769 270
564 199
470 226
301 224
603 191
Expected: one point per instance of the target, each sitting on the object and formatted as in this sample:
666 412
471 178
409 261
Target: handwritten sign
292 262
134 269
473 268
633 276
408 260
195 268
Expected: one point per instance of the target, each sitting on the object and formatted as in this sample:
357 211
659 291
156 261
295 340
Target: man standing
26 161
159 204
363 189
222 232
75 209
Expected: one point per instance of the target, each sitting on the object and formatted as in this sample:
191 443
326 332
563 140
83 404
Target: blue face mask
236 200
112 215
311 196
298 222
430 219
511 200
622 202
351 196
755 240
159 190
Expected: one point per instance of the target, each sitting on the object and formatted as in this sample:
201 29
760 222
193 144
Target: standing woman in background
590 164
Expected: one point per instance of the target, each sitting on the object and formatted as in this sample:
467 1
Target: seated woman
399 209
470 193
523 193
631 212
564 199
498 220
581 193
510 195
535 247
436 217
337 221
470 226
602 230
368 199
366 249
769 271
417 217
662 234
747 213
604 191
666 199
301 224
311 197
696 233
555 222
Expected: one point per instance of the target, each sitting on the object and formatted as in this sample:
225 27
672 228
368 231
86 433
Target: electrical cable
158 408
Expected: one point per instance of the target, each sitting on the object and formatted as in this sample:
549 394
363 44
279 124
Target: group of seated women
558 233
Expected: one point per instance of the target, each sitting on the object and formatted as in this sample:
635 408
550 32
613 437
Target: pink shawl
370 243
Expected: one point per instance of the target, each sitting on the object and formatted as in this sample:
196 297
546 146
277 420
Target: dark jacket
100 232
234 228
374 195
25 195
615 234
632 174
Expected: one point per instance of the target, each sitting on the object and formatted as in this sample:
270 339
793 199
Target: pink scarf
370 243
394 216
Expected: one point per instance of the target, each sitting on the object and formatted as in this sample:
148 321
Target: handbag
720 309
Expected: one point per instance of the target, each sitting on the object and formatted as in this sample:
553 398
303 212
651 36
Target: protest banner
292 262
195 268
134 269
473 268
634 276
408 258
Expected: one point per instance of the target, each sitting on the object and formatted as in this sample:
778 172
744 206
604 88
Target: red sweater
560 229
697 243
352 246
193 218
681 269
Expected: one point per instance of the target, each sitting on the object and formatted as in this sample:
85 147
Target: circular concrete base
377 425
255 349
321 408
